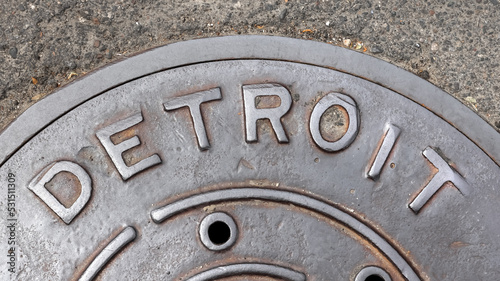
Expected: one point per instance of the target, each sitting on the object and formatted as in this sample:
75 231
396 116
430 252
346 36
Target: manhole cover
250 158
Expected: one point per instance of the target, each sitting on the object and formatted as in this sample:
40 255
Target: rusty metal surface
225 169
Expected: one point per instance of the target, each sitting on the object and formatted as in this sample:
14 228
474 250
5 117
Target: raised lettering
115 151
193 102
445 174
37 185
274 114
323 104
389 140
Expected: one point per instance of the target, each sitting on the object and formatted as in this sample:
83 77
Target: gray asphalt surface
47 44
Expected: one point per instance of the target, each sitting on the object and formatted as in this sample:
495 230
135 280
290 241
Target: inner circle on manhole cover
250 157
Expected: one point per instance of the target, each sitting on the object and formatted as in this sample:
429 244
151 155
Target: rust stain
262 102
124 135
65 187
334 123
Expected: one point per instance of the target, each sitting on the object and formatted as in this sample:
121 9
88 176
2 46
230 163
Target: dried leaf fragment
37 97
72 74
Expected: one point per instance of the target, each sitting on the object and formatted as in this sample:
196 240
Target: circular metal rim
208 221
54 106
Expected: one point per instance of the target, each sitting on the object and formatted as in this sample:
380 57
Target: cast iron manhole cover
250 158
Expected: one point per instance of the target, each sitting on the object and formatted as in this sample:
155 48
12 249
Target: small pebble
13 52
434 47
376 50
283 14
71 65
52 83
347 42
424 74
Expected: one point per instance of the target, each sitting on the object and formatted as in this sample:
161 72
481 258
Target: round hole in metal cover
374 277
219 232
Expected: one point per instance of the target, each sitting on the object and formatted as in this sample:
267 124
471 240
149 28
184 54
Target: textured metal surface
205 165
125 237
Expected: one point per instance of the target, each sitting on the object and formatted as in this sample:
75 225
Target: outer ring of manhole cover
160 166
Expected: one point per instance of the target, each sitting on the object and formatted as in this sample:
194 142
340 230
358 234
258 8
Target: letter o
319 109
